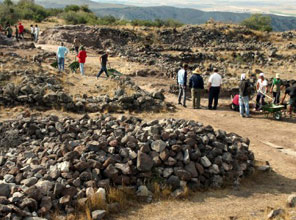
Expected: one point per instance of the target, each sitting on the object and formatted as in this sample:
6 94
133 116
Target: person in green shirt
8 31
275 89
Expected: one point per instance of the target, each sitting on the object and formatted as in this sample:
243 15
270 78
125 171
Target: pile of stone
97 38
50 163
42 90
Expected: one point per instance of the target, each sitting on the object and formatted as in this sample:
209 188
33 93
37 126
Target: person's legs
216 97
59 64
262 100
193 98
274 97
241 106
81 65
246 104
106 71
258 98
198 96
278 95
184 95
211 96
180 94
100 72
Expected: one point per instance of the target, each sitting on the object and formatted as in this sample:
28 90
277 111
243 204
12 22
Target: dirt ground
255 194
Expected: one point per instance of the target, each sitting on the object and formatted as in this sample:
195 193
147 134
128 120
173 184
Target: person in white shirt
261 91
36 33
215 82
182 83
32 32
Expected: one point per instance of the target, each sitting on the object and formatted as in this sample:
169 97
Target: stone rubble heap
43 90
51 163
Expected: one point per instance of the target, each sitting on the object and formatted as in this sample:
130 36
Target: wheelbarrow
272 109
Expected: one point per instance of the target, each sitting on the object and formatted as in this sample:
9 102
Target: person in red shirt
81 59
21 30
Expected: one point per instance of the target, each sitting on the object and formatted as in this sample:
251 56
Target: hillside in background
61 4
191 16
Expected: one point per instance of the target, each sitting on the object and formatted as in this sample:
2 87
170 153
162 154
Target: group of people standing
196 84
81 55
35 32
19 31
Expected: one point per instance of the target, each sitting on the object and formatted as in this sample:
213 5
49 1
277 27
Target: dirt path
254 195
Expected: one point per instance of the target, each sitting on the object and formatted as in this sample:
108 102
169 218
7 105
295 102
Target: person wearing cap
104 61
81 59
214 85
244 97
182 83
196 84
261 91
275 89
76 44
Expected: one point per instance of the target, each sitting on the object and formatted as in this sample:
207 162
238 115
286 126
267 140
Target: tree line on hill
74 14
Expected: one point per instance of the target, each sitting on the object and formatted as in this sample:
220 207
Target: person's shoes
210 108
248 116
184 106
242 116
215 108
179 103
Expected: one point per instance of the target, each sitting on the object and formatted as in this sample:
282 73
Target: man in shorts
291 91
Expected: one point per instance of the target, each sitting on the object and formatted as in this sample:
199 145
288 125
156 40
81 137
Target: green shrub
258 22
69 8
79 17
30 11
8 15
156 23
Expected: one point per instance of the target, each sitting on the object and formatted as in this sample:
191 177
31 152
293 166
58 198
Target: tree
72 8
8 2
85 8
258 22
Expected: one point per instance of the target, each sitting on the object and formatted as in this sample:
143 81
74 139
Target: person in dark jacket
196 84
244 97
182 82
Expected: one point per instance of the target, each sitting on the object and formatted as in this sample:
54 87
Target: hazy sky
196 3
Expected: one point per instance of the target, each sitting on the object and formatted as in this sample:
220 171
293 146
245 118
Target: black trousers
214 95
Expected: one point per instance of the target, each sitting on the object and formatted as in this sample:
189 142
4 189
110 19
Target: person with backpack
182 82
81 59
275 89
61 53
196 83
244 93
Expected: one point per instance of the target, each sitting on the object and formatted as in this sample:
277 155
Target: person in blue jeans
104 61
244 88
61 53
182 82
